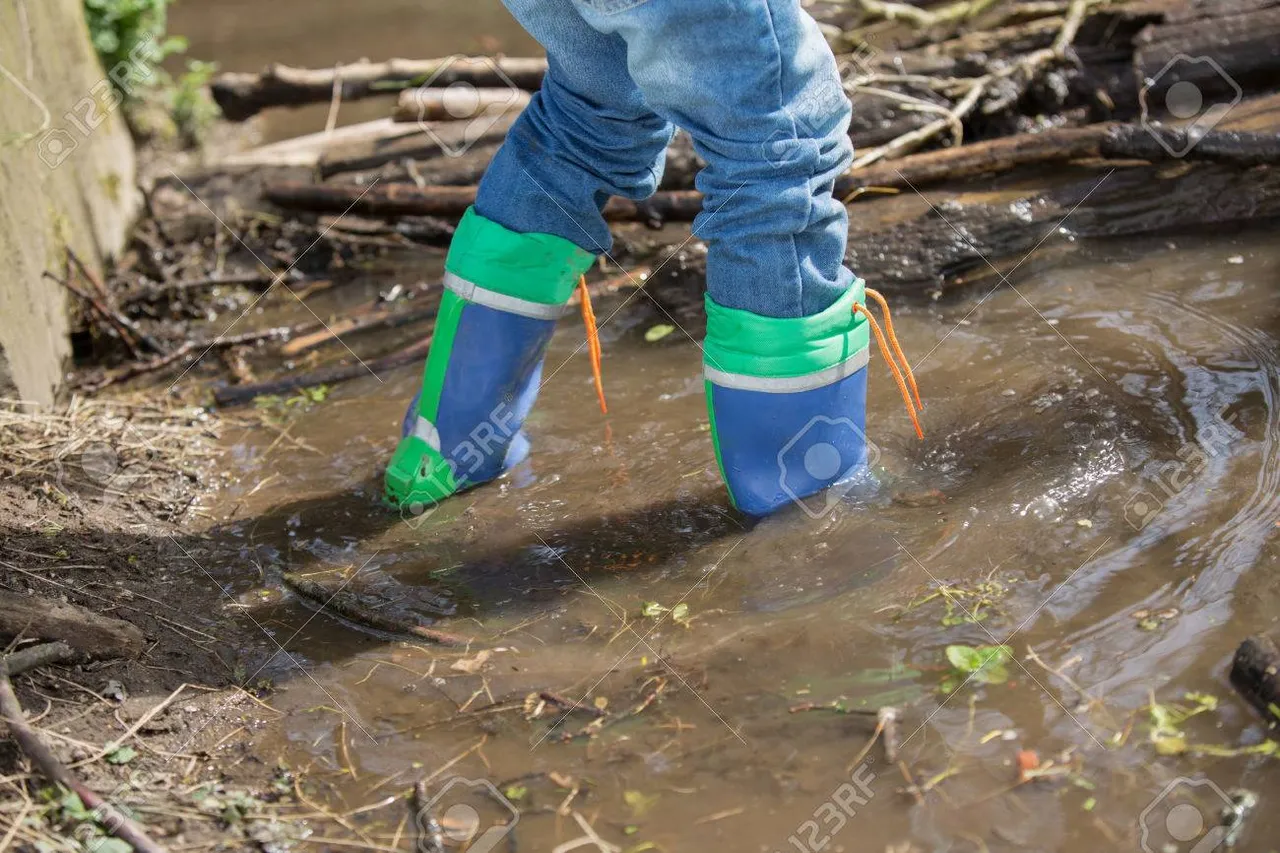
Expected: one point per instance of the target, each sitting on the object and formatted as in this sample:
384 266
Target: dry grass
107 451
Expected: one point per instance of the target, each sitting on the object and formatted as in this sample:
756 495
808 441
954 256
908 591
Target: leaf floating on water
983 664
639 802
658 332
471 666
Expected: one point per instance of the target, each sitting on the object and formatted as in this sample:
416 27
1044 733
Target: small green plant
131 31
188 103
980 664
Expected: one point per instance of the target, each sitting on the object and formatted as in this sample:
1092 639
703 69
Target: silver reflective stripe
426 430
789 384
502 302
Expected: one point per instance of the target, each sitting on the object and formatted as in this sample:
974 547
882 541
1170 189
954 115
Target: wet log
1116 141
1255 673
970 239
83 630
241 96
1239 36
457 104
392 199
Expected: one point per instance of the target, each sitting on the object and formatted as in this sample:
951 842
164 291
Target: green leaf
964 658
658 332
639 802
515 792
652 609
121 755
680 612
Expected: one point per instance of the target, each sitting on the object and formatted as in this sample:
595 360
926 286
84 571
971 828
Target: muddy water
1101 442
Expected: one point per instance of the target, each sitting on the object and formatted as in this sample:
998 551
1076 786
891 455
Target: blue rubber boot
504 293
787 400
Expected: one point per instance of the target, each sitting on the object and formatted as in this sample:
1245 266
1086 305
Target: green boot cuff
536 267
739 342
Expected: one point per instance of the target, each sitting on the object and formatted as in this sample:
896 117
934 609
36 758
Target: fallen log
457 104
348 605
1239 36
1255 673
1109 140
241 96
83 630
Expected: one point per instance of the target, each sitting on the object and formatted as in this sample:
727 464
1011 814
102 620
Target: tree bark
1255 673
83 630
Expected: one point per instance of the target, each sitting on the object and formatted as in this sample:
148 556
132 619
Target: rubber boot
503 294
787 400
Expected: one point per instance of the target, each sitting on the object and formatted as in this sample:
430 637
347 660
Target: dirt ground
89 501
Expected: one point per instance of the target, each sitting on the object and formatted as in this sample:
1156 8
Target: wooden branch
243 95
382 317
441 139
83 630
129 331
41 655
348 605
108 817
235 395
457 104
140 368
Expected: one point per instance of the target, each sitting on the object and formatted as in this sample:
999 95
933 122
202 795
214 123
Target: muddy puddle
1098 491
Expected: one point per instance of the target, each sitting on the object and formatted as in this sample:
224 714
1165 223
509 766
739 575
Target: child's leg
756 86
587 134
518 253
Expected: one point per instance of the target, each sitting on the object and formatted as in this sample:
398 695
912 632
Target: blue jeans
754 84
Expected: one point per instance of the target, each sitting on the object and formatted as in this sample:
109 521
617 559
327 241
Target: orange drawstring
897 348
888 355
593 342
